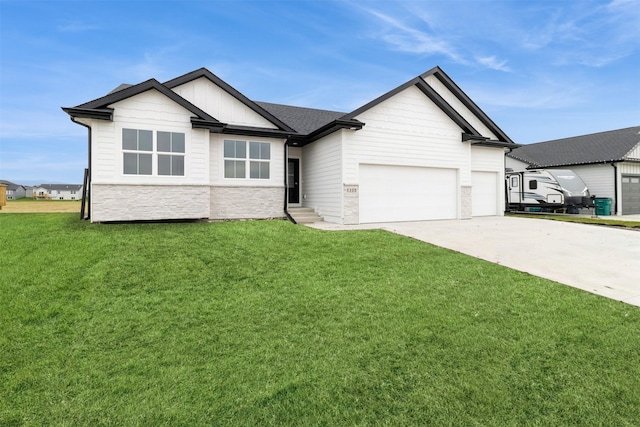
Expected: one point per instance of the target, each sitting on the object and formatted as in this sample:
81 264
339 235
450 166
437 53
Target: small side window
533 184
514 181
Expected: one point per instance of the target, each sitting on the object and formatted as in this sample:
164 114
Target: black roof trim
446 108
421 84
253 131
380 99
103 102
495 143
90 113
483 140
213 126
203 72
466 101
329 128
430 93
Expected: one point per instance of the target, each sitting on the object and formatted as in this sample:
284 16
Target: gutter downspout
615 185
87 190
286 178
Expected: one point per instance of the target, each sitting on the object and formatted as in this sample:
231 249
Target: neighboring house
608 162
195 147
14 191
57 191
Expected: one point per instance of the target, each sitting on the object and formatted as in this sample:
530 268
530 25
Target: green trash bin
603 206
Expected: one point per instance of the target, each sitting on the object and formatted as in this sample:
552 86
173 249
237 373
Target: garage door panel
405 193
630 194
484 195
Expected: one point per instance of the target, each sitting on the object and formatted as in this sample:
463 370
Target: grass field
25 205
268 323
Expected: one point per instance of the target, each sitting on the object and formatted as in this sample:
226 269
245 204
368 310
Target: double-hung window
138 151
171 163
237 160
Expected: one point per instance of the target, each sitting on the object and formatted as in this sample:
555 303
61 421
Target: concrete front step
304 215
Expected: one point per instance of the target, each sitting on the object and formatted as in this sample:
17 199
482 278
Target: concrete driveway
601 260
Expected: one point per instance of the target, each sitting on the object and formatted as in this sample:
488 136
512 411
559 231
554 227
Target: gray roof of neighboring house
10 185
60 187
602 147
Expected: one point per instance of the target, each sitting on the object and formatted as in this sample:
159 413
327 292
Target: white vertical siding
220 104
322 177
409 130
459 106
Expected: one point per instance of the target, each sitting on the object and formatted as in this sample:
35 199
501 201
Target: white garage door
405 193
484 196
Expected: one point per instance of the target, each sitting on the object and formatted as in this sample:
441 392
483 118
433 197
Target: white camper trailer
548 189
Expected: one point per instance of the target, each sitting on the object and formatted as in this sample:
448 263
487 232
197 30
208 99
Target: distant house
195 147
608 162
14 191
57 191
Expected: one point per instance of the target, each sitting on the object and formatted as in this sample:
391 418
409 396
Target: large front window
237 160
138 152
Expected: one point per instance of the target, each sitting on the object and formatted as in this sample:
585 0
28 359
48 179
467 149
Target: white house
608 163
57 191
194 147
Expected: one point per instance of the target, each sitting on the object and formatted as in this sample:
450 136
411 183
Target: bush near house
268 323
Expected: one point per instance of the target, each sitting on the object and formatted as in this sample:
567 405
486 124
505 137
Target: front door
293 181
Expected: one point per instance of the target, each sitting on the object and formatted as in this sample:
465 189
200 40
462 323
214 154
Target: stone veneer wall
351 204
247 202
465 202
148 202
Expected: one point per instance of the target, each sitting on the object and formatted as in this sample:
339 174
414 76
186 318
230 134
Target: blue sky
540 69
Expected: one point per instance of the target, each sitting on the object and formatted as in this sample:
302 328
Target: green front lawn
268 323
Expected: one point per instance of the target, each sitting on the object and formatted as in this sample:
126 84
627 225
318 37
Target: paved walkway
601 260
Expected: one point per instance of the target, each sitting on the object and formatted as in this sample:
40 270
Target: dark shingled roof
10 185
302 120
602 147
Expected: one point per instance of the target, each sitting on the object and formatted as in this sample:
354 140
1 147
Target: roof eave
329 128
253 131
467 101
90 113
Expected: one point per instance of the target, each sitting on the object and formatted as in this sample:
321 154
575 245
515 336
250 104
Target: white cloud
407 39
493 63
